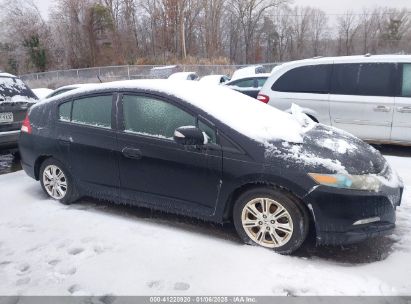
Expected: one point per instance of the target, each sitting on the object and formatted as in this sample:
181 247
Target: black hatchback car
213 154
15 99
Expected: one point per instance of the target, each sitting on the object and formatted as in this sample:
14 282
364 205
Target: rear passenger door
362 99
86 131
401 127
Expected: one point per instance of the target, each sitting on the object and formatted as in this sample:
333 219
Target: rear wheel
271 218
57 182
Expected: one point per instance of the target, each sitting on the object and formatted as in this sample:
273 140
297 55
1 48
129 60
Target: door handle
132 153
382 109
404 109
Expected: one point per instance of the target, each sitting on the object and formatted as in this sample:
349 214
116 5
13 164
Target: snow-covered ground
97 249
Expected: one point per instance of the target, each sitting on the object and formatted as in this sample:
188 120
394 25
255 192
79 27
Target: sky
329 6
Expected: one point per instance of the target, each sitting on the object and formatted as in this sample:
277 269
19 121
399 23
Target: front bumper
9 139
336 213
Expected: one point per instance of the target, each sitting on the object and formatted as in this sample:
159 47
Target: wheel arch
238 191
37 165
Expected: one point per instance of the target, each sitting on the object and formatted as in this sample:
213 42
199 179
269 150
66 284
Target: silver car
368 96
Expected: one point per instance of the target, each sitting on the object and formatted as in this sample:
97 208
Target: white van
368 96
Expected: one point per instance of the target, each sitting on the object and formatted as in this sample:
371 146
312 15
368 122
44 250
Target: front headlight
346 181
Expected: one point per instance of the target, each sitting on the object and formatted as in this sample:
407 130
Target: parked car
368 96
215 79
250 85
248 71
68 88
15 98
213 154
42 93
163 72
184 76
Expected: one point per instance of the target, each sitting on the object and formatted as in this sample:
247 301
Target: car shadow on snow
394 150
370 251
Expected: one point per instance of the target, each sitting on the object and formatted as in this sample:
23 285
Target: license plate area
6 117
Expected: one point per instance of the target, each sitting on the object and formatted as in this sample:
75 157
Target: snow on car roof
345 59
181 75
6 75
246 72
242 113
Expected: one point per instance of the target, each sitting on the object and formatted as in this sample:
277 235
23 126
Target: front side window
92 111
366 79
151 116
306 79
406 81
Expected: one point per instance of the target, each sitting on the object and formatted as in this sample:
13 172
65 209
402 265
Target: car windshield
13 89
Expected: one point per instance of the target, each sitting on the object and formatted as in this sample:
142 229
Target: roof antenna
98 77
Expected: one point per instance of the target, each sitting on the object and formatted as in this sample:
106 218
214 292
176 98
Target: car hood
327 150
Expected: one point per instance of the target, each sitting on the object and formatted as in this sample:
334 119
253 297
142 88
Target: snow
92 248
183 76
244 114
247 71
42 92
214 79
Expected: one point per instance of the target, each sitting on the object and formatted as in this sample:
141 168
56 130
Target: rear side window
92 111
261 82
150 116
245 83
12 87
306 79
406 81
367 79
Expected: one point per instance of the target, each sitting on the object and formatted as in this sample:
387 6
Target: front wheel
271 218
57 182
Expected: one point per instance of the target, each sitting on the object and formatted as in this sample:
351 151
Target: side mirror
190 136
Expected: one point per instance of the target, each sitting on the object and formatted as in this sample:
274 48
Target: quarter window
210 132
406 81
366 79
150 116
93 111
65 111
306 79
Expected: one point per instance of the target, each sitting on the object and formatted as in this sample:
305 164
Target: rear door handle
382 109
404 109
132 153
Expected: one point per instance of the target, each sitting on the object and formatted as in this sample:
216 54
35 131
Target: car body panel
197 181
372 118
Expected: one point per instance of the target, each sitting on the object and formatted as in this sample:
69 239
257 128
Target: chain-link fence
56 79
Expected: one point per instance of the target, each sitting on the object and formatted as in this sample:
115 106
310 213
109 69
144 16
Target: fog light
367 221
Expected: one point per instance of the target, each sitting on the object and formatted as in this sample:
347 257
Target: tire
260 227
65 190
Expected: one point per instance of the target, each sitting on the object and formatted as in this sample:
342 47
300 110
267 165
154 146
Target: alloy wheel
267 222
55 182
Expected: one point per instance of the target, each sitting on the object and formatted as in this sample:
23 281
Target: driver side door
157 172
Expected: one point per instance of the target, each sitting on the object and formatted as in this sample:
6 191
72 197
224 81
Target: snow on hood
330 150
242 113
